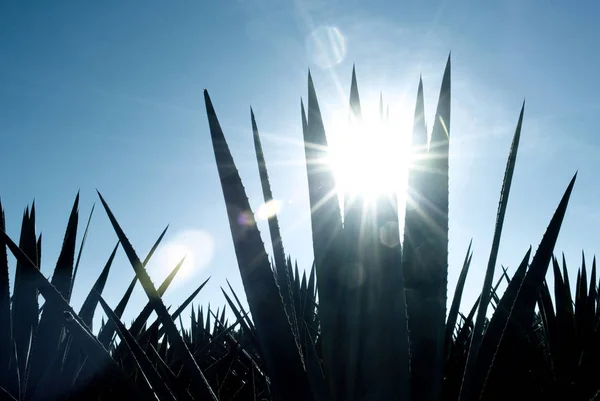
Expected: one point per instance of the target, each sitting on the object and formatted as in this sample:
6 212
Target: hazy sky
108 96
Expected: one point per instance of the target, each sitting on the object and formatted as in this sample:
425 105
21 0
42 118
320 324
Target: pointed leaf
274 332
199 381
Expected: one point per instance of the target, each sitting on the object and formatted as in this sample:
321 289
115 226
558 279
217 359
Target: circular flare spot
326 46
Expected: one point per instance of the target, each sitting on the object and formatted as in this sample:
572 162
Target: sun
370 157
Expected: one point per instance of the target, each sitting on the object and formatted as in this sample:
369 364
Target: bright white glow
268 210
370 158
195 245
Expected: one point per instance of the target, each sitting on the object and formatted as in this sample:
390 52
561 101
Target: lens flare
268 210
196 246
245 219
326 46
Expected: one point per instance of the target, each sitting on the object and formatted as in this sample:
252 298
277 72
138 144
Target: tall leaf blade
50 328
107 332
83 240
426 259
25 295
522 309
86 313
73 360
54 299
354 97
350 297
96 355
199 381
279 347
6 340
239 304
155 382
454 309
326 229
283 279
141 319
489 274
180 309
495 329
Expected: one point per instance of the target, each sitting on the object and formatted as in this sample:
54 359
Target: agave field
368 321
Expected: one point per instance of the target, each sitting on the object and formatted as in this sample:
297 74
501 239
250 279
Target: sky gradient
108 96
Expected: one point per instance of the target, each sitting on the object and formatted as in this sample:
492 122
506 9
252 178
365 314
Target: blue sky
108 96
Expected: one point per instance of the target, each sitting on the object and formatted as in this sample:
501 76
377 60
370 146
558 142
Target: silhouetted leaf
199 382
274 332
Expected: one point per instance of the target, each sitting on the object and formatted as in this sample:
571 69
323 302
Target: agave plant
388 336
49 352
368 321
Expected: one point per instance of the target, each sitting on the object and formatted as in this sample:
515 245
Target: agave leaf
374 333
522 310
96 354
25 295
460 285
385 364
61 279
86 313
476 304
274 332
546 307
181 308
314 369
349 297
413 222
150 340
49 387
172 380
39 250
311 282
50 328
489 274
496 326
326 228
136 326
216 322
6 340
207 326
218 337
6 394
241 308
73 360
413 213
354 97
199 381
565 355
222 319
549 323
85 233
283 279
539 265
48 291
425 260
150 376
302 293
593 291
155 246
240 315
107 332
